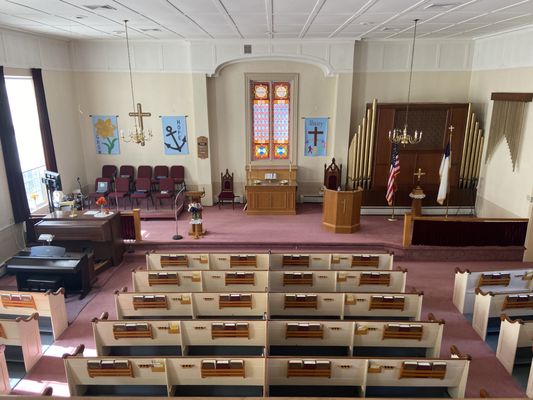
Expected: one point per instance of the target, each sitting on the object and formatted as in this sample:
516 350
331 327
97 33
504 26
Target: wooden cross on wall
316 132
140 114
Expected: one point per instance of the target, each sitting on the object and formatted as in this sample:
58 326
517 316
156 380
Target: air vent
247 49
151 30
99 7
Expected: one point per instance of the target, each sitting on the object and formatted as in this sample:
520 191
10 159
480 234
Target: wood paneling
426 156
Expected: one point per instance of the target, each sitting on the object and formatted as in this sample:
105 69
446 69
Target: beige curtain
507 122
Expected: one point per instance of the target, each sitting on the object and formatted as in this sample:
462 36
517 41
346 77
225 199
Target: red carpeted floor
434 277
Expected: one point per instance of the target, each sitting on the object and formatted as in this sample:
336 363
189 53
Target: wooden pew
23 333
346 305
204 261
167 374
156 376
50 305
147 305
180 281
466 282
488 306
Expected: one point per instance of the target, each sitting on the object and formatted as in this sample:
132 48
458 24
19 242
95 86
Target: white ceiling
259 19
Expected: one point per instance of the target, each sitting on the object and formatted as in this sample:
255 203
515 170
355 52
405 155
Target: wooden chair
332 175
226 194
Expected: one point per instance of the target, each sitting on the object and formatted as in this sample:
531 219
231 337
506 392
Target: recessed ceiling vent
247 49
99 7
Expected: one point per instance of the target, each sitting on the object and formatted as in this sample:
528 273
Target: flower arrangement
101 201
194 209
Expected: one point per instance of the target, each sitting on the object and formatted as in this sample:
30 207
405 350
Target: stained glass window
270 120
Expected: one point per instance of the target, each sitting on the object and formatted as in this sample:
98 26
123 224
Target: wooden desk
271 199
103 235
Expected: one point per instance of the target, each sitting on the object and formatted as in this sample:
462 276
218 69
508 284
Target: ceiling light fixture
400 135
138 134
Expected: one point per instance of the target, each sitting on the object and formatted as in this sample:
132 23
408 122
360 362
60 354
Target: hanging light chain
410 73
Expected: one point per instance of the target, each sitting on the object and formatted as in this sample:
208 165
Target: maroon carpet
435 278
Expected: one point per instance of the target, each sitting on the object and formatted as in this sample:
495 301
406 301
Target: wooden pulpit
341 211
197 229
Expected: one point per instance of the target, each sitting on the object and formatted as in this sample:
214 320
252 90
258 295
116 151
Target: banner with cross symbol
316 136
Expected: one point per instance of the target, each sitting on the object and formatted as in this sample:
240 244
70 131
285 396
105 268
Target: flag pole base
392 219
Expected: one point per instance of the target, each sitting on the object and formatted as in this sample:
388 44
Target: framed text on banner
105 129
175 135
316 136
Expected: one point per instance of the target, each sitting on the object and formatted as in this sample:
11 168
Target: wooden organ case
370 151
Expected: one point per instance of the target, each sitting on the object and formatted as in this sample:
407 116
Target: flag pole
393 218
451 128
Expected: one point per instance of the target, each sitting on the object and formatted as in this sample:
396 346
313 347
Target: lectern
342 210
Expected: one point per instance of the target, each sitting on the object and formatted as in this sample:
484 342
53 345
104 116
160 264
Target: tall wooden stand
341 211
196 230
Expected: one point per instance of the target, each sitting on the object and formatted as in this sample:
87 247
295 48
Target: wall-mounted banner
316 136
105 128
175 135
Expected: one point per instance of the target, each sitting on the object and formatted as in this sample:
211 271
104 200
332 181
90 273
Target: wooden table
271 199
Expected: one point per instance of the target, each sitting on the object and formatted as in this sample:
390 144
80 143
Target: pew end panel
508 342
5 386
23 332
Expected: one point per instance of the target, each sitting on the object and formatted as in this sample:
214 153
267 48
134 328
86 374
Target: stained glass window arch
271 120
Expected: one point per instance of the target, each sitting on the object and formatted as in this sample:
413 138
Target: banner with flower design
105 128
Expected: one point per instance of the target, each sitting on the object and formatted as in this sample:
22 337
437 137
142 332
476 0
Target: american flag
394 170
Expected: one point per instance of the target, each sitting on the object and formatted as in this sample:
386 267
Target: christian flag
393 171
444 172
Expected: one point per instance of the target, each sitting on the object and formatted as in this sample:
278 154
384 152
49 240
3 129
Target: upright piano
36 268
86 233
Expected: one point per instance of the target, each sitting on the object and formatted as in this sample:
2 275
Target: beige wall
318 96
108 93
502 192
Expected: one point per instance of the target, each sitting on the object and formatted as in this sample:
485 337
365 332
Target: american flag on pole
394 170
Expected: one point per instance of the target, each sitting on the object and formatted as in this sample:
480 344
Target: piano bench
42 283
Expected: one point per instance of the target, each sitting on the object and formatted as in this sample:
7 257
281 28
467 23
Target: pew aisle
434 278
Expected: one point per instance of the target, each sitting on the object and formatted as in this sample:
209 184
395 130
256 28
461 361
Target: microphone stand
177 236
81 193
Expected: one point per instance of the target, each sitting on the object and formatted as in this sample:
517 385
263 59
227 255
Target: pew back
466 282
48 304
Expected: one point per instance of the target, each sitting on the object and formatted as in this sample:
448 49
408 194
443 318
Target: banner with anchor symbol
175 135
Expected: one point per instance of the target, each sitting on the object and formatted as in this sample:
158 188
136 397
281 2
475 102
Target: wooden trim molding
507 96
